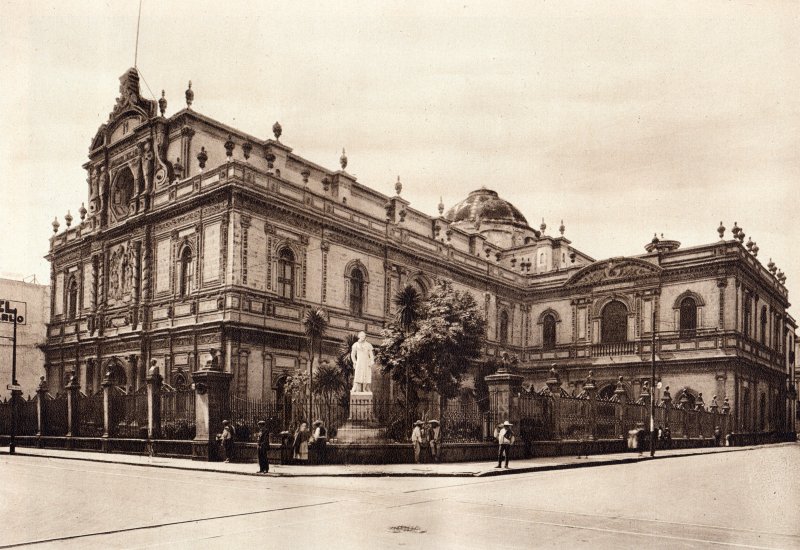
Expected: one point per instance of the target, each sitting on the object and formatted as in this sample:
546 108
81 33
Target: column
72 406
621 402
591 391
41 407
554 388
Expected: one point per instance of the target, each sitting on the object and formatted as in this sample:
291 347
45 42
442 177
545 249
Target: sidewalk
457 469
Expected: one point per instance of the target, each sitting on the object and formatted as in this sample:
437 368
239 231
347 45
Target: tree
344 362
315 324
446 336
328 383
409 308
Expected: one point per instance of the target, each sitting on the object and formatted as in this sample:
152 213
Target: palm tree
409 309
329 382
315 325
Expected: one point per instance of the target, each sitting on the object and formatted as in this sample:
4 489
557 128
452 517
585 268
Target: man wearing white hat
416 439
505 438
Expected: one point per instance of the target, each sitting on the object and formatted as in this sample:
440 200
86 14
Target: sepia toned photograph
366 275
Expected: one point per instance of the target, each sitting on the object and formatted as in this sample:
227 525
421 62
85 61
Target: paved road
747 499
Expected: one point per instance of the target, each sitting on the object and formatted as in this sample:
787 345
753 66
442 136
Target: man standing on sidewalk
263 447
436 440
505 439
416 439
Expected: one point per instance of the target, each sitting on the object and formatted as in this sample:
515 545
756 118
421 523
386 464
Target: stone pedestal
211 387
361 425
503 386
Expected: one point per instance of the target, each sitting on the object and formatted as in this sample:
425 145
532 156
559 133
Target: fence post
699 406
591 392
554 389
211 390
726 412
684 414
106 384
620 404
666 402
503 386
72 388
154 380
41 411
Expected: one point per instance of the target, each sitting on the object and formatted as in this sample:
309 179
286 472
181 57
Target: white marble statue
363 358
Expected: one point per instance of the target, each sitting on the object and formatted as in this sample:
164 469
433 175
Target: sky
623 119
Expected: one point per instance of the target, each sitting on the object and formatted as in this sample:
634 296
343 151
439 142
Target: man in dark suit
263 447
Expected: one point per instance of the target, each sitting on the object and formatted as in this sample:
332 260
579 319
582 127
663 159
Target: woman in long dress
300 446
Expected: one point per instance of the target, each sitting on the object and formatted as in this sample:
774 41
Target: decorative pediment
130 106
613 270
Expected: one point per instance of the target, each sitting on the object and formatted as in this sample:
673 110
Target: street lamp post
653 387
12 446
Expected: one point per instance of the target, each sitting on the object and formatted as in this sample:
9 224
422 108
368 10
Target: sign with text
7 308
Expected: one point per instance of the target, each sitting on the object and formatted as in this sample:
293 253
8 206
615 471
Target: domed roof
484 205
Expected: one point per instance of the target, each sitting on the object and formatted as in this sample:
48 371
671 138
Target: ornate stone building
202 243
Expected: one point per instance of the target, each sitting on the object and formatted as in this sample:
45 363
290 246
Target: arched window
286 273
548 332
688 323
186 270
72 298
614 324
748 316
764 325
356 292
504 326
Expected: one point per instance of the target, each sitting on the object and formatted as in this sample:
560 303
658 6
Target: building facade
31 333
204 244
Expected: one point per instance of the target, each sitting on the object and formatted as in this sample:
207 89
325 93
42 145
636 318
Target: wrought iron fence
573 418
90 415
244 415
608 424
463 422
177 413
129 414
5 416
55 413
535 412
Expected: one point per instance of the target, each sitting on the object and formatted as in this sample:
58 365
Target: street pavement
744 499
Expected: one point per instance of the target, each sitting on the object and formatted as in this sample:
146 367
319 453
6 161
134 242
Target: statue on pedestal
363 358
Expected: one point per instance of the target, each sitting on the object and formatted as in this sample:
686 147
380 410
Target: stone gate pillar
554 388
503 386
211 386
154 381
107 384
620 405
41 408
666 402
591 392
72 387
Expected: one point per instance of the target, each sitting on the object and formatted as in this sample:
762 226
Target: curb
489 473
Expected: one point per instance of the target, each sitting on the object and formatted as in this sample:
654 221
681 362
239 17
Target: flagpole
136 51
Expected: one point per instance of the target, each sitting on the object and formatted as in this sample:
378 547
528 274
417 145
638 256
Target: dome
484 205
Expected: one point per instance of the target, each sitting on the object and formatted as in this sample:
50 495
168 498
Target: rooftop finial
55 224
543 226
189 96
441 206
68 219
277 130
162 103
398 187
721 231
561 228
343 159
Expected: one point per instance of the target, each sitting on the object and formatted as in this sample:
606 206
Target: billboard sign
7 308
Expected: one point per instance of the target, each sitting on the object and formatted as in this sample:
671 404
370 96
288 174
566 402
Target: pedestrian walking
505 439
319 442
300 446
416 439
435 436
717 436
226 440
286 447
263 447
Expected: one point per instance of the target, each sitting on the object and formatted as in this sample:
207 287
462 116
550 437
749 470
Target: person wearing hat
505 438
416 439
226 438
319 441
435 436
263 447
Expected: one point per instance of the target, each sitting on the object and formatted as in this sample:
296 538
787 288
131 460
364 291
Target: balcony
617 348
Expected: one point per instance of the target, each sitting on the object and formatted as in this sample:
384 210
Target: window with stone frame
286 273
764 325
72 298
186 272
748 316
614 323
688 317
548 332
356 281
